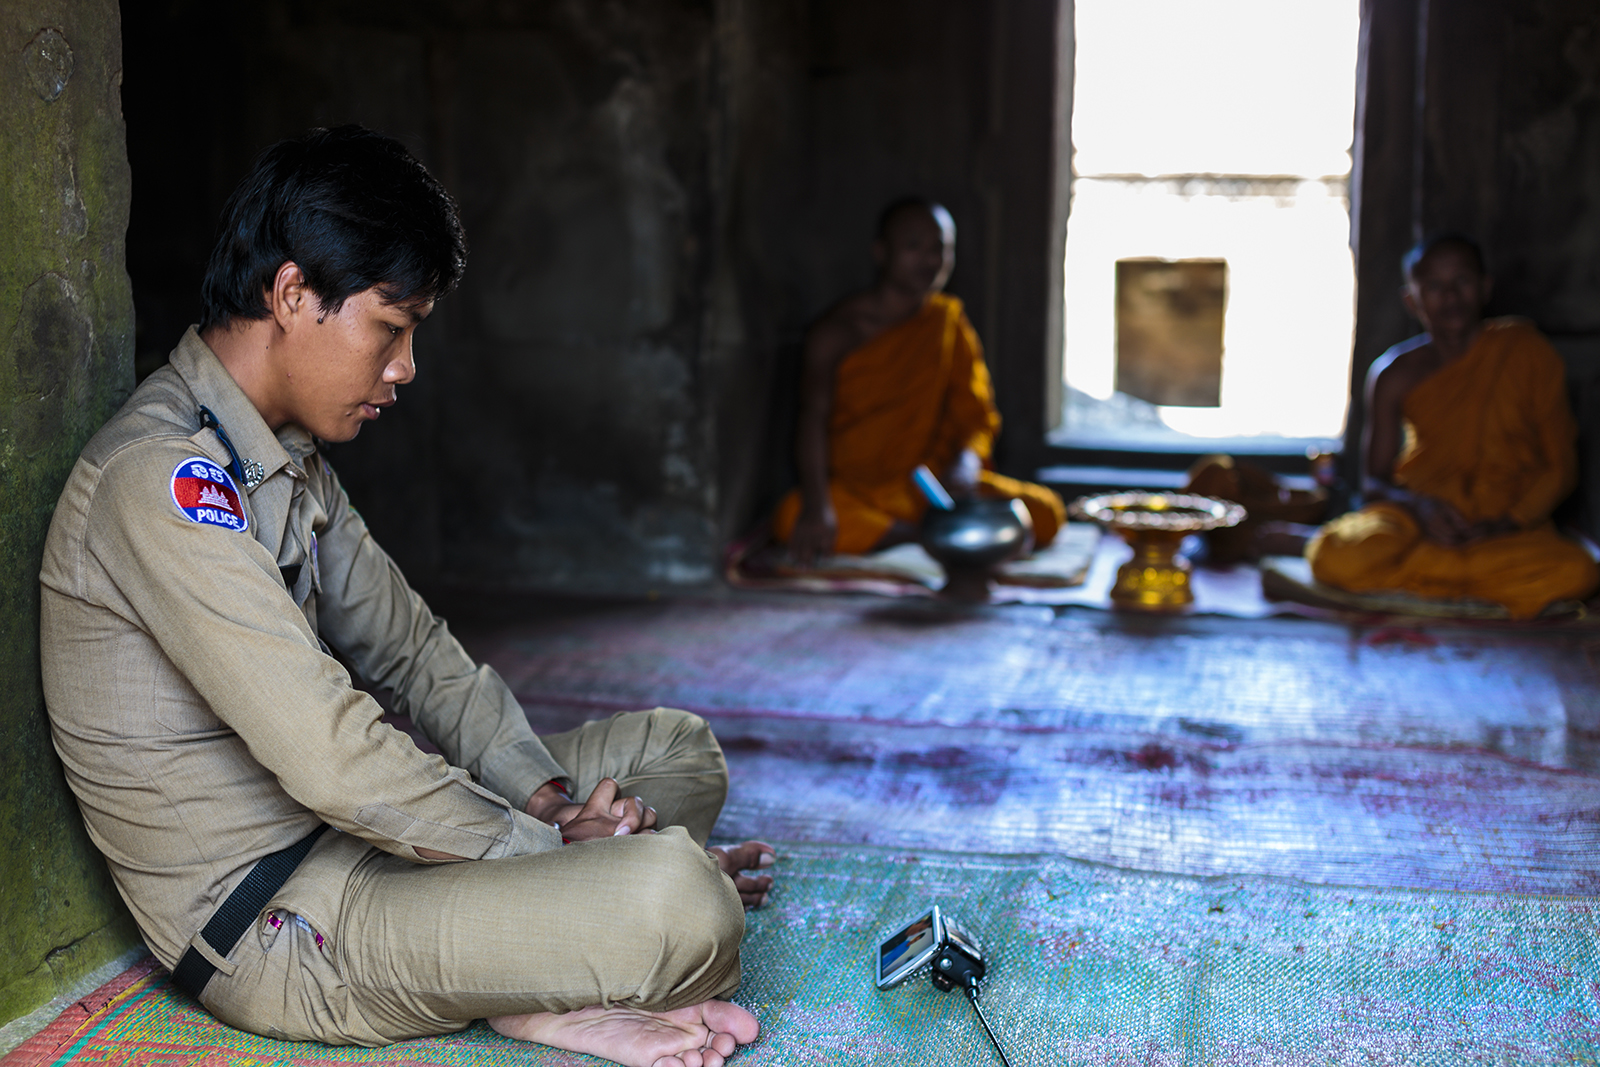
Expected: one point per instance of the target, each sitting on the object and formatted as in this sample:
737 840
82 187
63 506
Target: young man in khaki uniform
306 871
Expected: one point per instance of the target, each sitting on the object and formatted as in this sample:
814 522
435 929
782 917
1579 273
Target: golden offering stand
1155 524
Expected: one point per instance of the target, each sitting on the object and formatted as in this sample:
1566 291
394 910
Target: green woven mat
1094 965
1089 965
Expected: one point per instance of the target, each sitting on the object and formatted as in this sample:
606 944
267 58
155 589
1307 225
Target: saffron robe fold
918 393
1490 434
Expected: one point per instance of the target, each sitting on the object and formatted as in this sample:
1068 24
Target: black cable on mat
234 915
972 995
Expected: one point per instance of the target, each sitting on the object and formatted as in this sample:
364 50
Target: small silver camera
935 940
954 957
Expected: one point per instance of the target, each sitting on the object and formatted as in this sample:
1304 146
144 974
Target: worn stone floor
1427 756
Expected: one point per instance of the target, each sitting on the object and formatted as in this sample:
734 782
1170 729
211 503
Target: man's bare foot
750 856
701 1035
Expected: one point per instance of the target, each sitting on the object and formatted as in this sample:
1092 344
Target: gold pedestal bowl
1155 524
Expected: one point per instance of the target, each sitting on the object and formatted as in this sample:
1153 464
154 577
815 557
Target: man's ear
880 252
291 300
1488 290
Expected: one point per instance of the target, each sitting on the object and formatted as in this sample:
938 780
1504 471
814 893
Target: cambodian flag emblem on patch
205 493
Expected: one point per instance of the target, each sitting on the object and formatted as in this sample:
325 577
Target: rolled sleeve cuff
517 835
520 769
528 835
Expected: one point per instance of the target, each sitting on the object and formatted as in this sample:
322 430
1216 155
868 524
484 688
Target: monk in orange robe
893 378
1469 446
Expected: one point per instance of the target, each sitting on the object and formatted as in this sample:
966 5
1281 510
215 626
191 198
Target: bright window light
1216 129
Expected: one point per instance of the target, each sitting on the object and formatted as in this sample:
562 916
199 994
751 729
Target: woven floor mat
1089 965
1327 813
1027 670
1092 965
1391 756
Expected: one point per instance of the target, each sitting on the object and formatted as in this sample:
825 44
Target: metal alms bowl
1155 524
977 533
1169 513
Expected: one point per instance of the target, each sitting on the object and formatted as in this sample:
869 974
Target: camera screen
906 944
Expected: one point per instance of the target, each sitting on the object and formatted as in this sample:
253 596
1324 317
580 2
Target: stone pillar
66 327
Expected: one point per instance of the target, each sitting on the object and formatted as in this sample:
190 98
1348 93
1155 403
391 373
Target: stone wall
66 326
561 423
659 196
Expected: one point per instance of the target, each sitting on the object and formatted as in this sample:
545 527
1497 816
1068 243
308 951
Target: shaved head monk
1469 446
894 378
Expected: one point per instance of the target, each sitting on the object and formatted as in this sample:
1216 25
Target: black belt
235 914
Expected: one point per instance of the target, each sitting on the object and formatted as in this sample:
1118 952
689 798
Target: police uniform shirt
200 719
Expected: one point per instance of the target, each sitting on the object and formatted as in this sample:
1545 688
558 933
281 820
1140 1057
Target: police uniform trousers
647 921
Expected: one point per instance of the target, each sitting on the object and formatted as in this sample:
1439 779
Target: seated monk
894 378
1469 446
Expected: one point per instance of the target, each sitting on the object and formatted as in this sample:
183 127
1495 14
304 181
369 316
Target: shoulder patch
206 494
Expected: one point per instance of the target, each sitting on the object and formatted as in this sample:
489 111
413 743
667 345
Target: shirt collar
215 388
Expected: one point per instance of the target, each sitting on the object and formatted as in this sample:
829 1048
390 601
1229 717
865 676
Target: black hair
1448 239
894 207
352 208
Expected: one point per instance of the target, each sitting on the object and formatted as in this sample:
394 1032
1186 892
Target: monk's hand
604 814
1441 523
961 477
1482 531
815 532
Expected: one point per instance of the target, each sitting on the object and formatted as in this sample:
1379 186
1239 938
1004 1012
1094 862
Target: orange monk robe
1490 434
917 393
